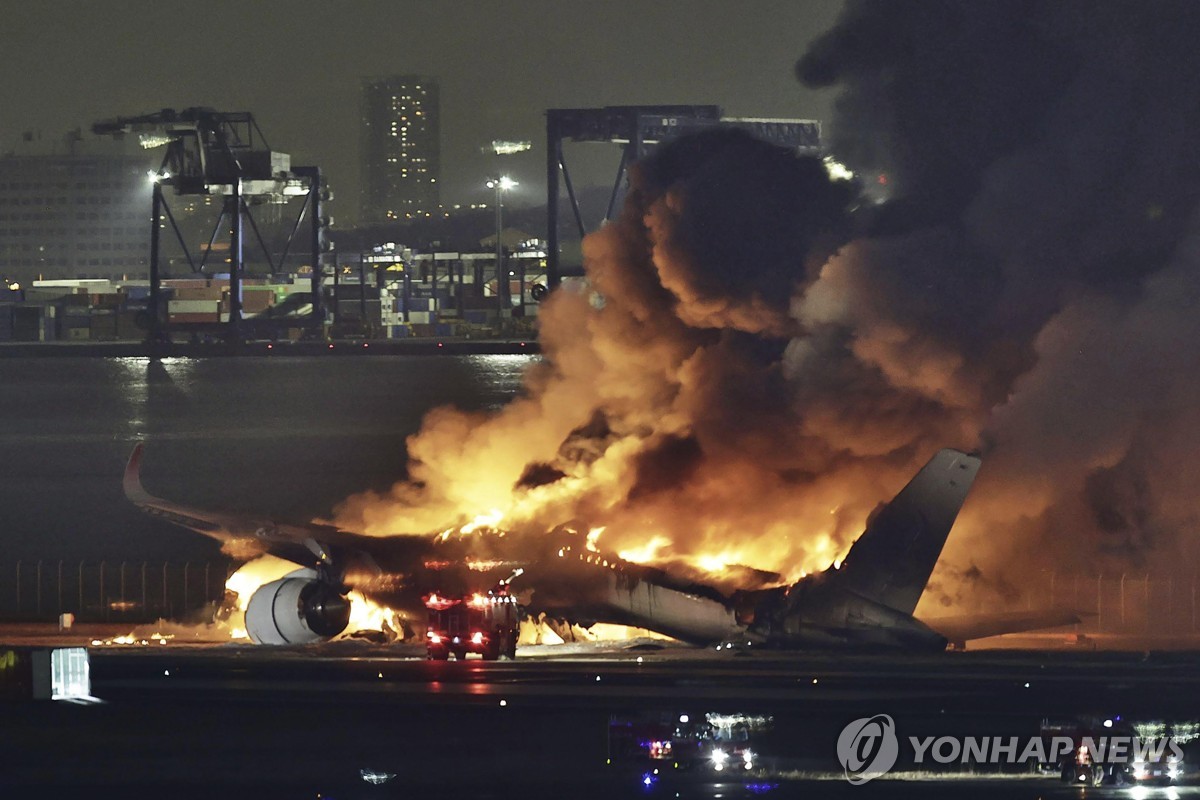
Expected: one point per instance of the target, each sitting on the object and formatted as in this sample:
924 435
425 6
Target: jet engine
296 609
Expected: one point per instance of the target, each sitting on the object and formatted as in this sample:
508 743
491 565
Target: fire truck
486 624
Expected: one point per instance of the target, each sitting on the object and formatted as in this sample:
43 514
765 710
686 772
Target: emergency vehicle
486 624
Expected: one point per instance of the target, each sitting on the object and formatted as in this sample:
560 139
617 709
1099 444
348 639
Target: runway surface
307 721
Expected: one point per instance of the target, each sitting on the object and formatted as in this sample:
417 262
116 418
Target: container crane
224 153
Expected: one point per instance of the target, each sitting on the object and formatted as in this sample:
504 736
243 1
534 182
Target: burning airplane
691 455
867 599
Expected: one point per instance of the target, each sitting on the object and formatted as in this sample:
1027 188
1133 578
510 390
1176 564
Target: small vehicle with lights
730 743
483 623
661 741
1087 763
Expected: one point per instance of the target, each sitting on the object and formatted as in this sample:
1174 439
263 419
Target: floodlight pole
501 273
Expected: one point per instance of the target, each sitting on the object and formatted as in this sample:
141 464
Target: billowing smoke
1035 275
767 356
662 412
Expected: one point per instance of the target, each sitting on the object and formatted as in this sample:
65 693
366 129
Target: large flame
365 614
650 423
746 356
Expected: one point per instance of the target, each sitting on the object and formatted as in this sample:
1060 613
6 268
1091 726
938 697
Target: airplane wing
193 519
241 537
961 628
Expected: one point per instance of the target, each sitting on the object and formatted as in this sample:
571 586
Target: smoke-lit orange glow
665 443
711 400
593 536
367 615
540 632
483 521
247 579
440 603
133 639
646 553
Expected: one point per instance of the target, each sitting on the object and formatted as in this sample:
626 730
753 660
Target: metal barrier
105 591
1128 603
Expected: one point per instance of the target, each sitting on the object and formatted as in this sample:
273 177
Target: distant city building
400 149
74 210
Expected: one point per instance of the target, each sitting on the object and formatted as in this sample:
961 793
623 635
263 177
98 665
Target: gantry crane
223 153
637 129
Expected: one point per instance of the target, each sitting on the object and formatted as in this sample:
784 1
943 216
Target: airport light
375 777
501 185
502 147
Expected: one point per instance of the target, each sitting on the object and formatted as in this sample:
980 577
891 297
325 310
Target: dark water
288 437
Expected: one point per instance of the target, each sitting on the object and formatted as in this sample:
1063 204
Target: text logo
868 748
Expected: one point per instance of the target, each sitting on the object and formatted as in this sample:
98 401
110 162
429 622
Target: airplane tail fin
892 560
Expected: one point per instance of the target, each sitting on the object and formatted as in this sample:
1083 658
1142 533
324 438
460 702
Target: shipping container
127 325
187 318
193 306
479 316
257 302
185 283
50 294
28 323
418 304
207 293
106 300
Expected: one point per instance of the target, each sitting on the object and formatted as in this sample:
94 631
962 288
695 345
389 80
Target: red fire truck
486 624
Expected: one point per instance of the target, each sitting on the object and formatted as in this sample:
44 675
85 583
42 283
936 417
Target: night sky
297 67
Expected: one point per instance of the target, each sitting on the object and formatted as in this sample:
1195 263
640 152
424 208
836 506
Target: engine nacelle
296 609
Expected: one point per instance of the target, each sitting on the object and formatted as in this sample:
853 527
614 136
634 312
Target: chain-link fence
109 591
1129 603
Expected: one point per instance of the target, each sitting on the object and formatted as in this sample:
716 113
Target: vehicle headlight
719 757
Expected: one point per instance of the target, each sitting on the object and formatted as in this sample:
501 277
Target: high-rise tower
401 150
